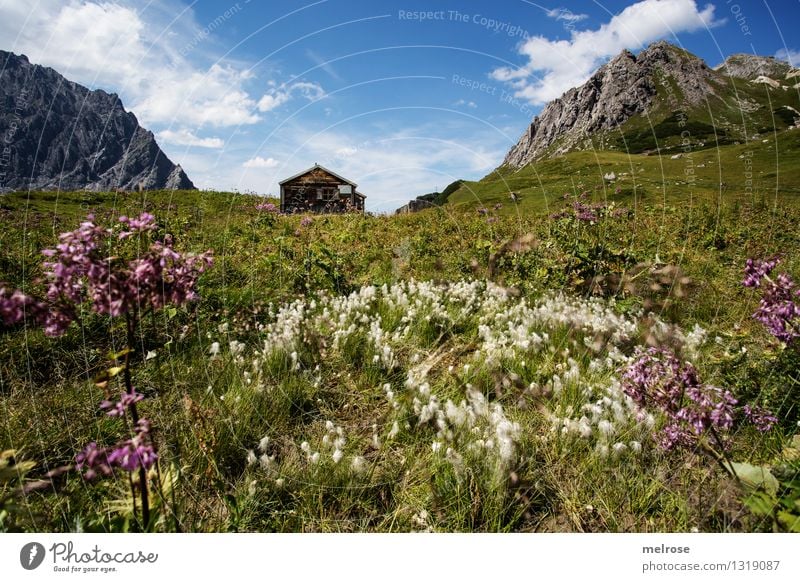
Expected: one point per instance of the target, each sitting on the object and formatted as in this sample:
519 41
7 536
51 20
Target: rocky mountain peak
643 102
60 135
625 86
751 67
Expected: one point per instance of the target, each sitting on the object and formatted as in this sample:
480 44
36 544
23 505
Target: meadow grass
434 399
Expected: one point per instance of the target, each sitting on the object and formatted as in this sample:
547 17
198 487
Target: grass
445 341
717 176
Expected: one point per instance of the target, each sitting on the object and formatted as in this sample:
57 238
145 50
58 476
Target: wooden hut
320 190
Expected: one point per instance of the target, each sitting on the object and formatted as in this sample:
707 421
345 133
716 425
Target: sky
401 97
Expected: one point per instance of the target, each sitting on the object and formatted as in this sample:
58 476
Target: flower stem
131 329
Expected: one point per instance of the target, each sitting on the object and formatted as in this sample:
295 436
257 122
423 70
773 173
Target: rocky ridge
59 135
658 82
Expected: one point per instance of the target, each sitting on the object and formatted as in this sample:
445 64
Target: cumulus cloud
276 97
135 52
791 56
464 103
556 65
185 137
566 14
259 162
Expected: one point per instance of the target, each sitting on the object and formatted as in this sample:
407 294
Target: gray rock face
751 67
625 86
58 135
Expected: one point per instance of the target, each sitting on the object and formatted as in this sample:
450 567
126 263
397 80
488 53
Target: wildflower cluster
80 269
779 309
589 212
473 428
657 378
491 215
268 207
610 419
129 454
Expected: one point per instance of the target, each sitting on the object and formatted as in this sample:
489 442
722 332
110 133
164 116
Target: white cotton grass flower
252 459
263 444
214 349
376 442
605 427
236 347
305 447
619 448
357 464
337 455
266 462
314 459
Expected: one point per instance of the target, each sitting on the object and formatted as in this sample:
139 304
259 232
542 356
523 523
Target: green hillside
764 168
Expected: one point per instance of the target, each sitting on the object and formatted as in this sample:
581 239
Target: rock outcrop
626 86
58 135
751 67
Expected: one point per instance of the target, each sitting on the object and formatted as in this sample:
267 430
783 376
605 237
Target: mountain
430 199
663 98
59 135
751 67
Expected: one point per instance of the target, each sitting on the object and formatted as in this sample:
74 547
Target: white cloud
557 65
185 137
214 97
566 14
281 95
259 162
791 56
464 103
136 52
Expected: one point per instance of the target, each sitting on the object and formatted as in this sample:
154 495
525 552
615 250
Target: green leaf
760 503
755 477
119 354
790 521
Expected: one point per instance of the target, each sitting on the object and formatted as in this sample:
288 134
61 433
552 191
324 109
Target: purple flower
119 407
657 379
79 271
93 461
778 309
267 207
762 419
145 222
307 221
755 270
128 455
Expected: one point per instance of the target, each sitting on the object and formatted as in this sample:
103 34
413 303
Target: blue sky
401 97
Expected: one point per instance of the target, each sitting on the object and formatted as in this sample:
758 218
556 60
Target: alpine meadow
601 334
